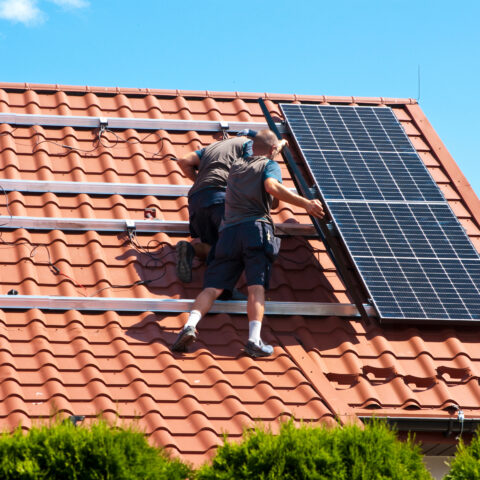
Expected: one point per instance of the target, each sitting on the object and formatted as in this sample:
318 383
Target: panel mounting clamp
103 122
224 125
130 224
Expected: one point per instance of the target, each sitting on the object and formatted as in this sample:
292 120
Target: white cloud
28 13
71 3
24 11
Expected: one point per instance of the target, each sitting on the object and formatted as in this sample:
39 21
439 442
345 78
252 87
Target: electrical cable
56 271
100 140
8 210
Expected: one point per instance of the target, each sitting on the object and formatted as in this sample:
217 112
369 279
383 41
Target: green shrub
343 453
466 464
99 451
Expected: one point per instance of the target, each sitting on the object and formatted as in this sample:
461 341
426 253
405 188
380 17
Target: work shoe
258 350
185 338
185 254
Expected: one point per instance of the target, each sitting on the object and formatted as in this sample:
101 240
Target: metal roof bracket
130 225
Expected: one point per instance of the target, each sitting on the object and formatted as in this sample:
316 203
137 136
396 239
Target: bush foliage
466 464
99 451
320 453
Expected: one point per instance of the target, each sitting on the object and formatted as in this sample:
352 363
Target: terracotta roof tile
81 362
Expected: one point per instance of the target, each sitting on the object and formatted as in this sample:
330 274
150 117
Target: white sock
194 317
254 328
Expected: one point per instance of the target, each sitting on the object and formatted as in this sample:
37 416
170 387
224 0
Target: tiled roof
119 363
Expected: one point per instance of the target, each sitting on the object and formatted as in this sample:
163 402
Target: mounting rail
114 225
120 123
94 188
171 305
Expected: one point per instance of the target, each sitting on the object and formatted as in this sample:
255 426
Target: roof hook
224 127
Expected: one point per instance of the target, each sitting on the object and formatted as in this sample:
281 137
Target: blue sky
360 48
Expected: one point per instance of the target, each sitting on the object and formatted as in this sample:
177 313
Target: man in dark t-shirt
208 168
247 241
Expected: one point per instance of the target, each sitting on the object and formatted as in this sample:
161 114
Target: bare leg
256 302
255 309
204 301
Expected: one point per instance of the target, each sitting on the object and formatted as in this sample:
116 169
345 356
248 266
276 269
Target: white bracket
130 224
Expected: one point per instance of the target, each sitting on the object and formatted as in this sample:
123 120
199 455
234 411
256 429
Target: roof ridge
204 93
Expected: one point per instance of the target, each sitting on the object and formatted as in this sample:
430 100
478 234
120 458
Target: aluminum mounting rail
173 305
94 188
114 225
121 123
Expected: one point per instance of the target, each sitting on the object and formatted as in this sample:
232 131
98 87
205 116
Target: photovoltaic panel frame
412 254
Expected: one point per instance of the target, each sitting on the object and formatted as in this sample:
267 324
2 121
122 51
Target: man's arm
189 164
277 190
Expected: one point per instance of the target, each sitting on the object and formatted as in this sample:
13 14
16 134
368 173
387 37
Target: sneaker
260 350
185 338
185 254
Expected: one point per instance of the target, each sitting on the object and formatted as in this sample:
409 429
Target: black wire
146 250
100 141
120 140
7 204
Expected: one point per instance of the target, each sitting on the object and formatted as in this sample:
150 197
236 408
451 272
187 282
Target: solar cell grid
401 230
414 257
423 288
346 128
365 150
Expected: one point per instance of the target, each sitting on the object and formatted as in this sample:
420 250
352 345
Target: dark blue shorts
249 246
205 222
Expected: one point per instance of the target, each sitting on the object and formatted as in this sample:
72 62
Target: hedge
98 451
466 464
320 453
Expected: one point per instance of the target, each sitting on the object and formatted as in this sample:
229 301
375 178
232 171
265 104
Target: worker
208 168
247 241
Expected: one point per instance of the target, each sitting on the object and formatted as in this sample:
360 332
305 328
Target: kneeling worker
247 241
208 168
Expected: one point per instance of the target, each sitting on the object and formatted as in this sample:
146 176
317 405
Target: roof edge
205 93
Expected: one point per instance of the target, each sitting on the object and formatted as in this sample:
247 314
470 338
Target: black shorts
205 222
249 246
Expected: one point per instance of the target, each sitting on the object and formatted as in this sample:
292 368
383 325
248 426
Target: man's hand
280 145
315 209
277 190
246 132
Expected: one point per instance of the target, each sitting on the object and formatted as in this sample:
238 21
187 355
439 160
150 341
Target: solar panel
414 257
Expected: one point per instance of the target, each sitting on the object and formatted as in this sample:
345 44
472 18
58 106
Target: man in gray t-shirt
208 168
247 241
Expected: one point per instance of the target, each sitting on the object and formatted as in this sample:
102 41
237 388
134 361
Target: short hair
266 138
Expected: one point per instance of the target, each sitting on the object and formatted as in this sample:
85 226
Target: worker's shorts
205 222
250 246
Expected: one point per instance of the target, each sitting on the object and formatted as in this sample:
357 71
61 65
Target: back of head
264 141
